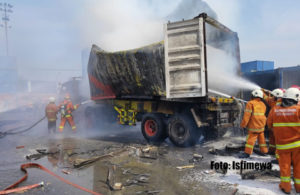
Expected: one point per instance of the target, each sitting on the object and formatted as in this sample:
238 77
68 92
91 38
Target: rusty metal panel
184 59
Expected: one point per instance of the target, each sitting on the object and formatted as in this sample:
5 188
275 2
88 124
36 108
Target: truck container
272 79
166 86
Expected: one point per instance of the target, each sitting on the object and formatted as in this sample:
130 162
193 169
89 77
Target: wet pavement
138 175
140 168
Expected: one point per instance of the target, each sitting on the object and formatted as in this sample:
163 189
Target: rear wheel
153 128
183 131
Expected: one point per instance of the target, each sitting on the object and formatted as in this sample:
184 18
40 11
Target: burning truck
165 86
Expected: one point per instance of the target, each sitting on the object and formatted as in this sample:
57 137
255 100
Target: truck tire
153 128
183 131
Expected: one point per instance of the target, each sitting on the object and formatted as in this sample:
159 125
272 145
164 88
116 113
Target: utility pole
6 8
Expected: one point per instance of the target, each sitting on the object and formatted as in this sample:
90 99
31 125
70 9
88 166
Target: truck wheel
153 128
183 131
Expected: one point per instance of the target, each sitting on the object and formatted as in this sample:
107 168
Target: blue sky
52 33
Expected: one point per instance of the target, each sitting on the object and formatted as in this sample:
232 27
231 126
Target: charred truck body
165 85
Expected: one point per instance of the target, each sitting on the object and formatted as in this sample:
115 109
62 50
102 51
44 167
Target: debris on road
111 179
196 158
41 153
149 192
79 163
256 174
20 147
66 172
185 167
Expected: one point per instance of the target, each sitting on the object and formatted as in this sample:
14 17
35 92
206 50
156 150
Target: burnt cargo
132 73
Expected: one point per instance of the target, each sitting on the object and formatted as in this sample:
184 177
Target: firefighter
66 109
254 120
273 99
51 112
285 122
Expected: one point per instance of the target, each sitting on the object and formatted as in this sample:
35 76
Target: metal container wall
272 79
184 59
289 76
257 65
135 73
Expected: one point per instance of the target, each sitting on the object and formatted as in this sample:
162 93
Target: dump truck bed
135 73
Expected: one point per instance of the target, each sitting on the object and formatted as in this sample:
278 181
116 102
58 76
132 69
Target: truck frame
167 89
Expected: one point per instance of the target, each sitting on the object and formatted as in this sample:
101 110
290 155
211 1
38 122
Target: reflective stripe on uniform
247 110
285 179
272 146
255 129
68 115
286 124
262 145
258 114
297 181
277 156
288 146
75 107
278 103
74 127
249 146
61 127
51 119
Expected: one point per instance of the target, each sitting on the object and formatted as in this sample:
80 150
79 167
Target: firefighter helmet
292 93
51 99
257 93
277 93
67 96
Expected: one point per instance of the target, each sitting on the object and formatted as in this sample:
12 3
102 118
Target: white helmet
277 93
52 99
257 93
292 93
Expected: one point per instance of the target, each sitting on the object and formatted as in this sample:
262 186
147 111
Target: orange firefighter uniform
66 109
255 120
285 122
51 112
272 101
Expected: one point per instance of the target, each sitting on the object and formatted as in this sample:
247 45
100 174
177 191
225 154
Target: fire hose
12 188
11 132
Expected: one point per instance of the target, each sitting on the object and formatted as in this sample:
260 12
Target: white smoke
121 25
222 73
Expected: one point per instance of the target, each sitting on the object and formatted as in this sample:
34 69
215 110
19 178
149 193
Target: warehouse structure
264 74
